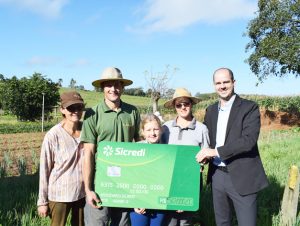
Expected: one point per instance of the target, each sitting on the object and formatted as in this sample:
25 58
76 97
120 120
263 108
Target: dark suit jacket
240 149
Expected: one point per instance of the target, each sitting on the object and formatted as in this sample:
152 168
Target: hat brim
170 103
72 102
97 83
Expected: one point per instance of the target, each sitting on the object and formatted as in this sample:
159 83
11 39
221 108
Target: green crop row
289 104
24 127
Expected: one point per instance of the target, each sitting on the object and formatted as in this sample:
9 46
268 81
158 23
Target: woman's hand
43 211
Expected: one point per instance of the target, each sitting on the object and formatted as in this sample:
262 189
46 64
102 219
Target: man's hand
206 154
140 210
43 211
92 199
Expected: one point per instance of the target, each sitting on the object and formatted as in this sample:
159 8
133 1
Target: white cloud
45 8
42 61
175 15
51 61
80 63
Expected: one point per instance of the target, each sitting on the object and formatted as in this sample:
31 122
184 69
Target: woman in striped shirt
61 188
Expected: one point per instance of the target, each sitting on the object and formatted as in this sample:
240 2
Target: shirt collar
227 106
107 109
192 125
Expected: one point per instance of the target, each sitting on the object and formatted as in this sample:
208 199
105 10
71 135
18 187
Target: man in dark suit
235 168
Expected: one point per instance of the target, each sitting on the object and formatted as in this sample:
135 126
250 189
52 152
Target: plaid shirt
61 178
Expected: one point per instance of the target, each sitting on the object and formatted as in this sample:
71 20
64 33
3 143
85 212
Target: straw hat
111 74
181 92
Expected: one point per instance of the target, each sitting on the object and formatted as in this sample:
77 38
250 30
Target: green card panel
152 176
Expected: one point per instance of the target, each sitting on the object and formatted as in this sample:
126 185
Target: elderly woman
183 130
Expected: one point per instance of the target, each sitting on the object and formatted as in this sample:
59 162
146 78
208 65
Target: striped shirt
61 178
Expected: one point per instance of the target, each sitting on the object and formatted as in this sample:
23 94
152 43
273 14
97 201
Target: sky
68 39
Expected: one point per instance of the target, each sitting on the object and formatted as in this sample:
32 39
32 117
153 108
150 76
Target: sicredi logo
109 151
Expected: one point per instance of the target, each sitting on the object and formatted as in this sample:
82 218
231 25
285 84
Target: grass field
91 98
279 150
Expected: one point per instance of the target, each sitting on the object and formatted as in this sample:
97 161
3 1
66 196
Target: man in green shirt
110 120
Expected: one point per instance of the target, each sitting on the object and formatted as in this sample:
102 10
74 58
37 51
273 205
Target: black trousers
225 199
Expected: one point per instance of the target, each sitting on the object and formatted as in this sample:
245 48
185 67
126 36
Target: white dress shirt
224 112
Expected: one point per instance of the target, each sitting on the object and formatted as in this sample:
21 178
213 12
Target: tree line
26 98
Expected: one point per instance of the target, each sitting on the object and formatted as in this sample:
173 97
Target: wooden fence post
290 198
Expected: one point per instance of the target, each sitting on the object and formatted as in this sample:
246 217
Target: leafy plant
22 167
7 160
2 170
35 162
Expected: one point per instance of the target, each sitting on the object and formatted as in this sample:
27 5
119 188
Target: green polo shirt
101 123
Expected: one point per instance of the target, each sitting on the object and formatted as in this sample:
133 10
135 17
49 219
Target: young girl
151 131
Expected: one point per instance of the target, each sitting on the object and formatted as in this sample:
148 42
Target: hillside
276 112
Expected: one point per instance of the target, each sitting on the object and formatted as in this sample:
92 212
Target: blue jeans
151 218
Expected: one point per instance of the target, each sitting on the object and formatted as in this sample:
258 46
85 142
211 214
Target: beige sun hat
181 92
111 74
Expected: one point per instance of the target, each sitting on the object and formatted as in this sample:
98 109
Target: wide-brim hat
111 74
69 98
181 92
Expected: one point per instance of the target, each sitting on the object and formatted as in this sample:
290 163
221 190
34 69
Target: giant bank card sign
152 176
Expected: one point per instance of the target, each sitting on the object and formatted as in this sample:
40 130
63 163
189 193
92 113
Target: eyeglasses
183 104
75 107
